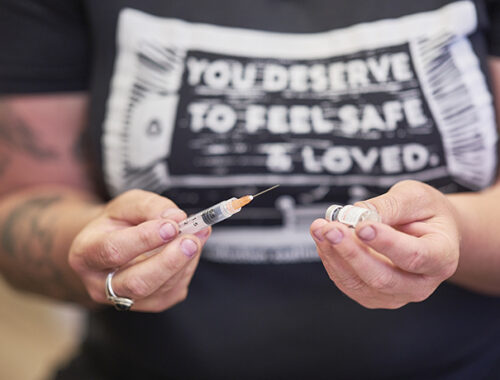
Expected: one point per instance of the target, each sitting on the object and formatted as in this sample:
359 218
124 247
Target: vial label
351 215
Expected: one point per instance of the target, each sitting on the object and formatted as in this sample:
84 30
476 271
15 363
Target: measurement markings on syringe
212 215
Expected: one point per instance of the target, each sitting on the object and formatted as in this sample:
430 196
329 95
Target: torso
336 102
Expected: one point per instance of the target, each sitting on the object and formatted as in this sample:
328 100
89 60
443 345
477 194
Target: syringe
217 213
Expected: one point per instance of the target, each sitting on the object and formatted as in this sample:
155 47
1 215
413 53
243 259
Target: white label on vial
351 214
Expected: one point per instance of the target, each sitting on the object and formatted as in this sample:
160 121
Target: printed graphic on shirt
202 113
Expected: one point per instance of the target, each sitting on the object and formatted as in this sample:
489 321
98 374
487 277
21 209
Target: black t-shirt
336 101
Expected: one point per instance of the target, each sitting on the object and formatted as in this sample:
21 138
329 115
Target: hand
137 232
403 259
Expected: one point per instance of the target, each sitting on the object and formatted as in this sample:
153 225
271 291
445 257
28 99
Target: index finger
137 206
121 246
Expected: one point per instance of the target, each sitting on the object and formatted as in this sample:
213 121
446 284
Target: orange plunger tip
240 202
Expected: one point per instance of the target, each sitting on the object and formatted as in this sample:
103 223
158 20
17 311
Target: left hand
403 259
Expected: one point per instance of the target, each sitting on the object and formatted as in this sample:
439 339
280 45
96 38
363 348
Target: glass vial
351 215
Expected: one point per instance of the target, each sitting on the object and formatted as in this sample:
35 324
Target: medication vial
351 215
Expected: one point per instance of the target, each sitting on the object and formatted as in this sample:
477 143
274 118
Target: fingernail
167 231
169 212
367 233
318 234
203 233
189 247
335 236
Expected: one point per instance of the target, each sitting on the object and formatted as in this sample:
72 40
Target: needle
265 191
243 201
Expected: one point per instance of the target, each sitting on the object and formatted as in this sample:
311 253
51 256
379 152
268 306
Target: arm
479 222
58 239
44 191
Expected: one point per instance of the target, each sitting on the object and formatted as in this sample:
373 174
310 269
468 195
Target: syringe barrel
207 217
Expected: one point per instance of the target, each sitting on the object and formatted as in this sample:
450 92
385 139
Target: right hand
133 224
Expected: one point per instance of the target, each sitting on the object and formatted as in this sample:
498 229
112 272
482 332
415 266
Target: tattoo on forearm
28 212
18 136
27 237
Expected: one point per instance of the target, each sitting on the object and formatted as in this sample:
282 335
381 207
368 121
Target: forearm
37 227
479 221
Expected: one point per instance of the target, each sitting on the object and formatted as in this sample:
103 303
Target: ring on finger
120 303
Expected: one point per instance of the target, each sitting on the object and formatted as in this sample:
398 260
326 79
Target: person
119 118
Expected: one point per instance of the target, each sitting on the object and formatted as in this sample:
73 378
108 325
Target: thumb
405 202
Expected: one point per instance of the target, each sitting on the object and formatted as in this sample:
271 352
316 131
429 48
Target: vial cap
331 211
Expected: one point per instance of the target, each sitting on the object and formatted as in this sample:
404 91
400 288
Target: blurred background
36 334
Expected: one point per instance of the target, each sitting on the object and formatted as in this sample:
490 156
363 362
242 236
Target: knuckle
420 191
390 205
417 261
190 271
109 254
136 196
423 194
386 304
383 281
170 264
159 307
150 199
168 286
385 243
349 254
153 201
177 296
420 295
136 287
423 189
76 256
369 305
448 270
182 295
133 193
406 184
351 283
127 196
396 305
144 236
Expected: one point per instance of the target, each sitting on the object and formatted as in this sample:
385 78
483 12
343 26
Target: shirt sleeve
43 46
493 10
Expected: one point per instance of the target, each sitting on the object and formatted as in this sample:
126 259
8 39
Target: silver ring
120 303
